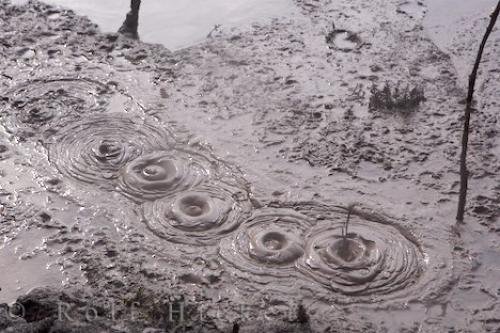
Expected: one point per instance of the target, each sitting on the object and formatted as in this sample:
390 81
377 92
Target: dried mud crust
299 98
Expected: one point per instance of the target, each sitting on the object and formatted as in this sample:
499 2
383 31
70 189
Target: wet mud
94 151
245 177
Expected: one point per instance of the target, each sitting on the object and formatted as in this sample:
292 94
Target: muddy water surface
178 24
448 22
249 171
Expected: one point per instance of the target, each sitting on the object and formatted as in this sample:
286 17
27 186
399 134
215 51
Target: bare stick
345 227
464 173
345 230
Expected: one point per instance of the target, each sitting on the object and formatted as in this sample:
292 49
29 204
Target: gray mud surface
178 24
218 178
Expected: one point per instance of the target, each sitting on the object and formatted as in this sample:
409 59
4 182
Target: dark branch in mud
131 23
464 173
345 227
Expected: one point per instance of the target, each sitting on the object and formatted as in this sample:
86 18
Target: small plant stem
464 173
346 223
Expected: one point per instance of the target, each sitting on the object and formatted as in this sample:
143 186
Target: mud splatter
343 40
414 9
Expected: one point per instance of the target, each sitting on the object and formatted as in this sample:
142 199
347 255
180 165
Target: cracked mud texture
281 113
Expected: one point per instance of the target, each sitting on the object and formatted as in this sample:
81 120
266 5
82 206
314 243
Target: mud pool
178 24
448 21
245 176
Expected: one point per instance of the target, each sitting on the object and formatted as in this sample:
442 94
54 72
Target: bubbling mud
304 246
39 103
375 260
200 216
95 150
372 259
163 173
268 244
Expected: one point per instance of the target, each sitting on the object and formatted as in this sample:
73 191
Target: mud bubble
343 40
374 260
201 216
268 245
93 151
39 103
371 260
162 173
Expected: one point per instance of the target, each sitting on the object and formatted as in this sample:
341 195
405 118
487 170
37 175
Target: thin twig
345 230
464 173
345 227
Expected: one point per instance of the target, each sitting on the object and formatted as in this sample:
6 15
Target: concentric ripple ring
200 216
268 244
162 173
93 151
370 261
41 102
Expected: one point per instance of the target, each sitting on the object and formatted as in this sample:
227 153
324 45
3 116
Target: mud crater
201 216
